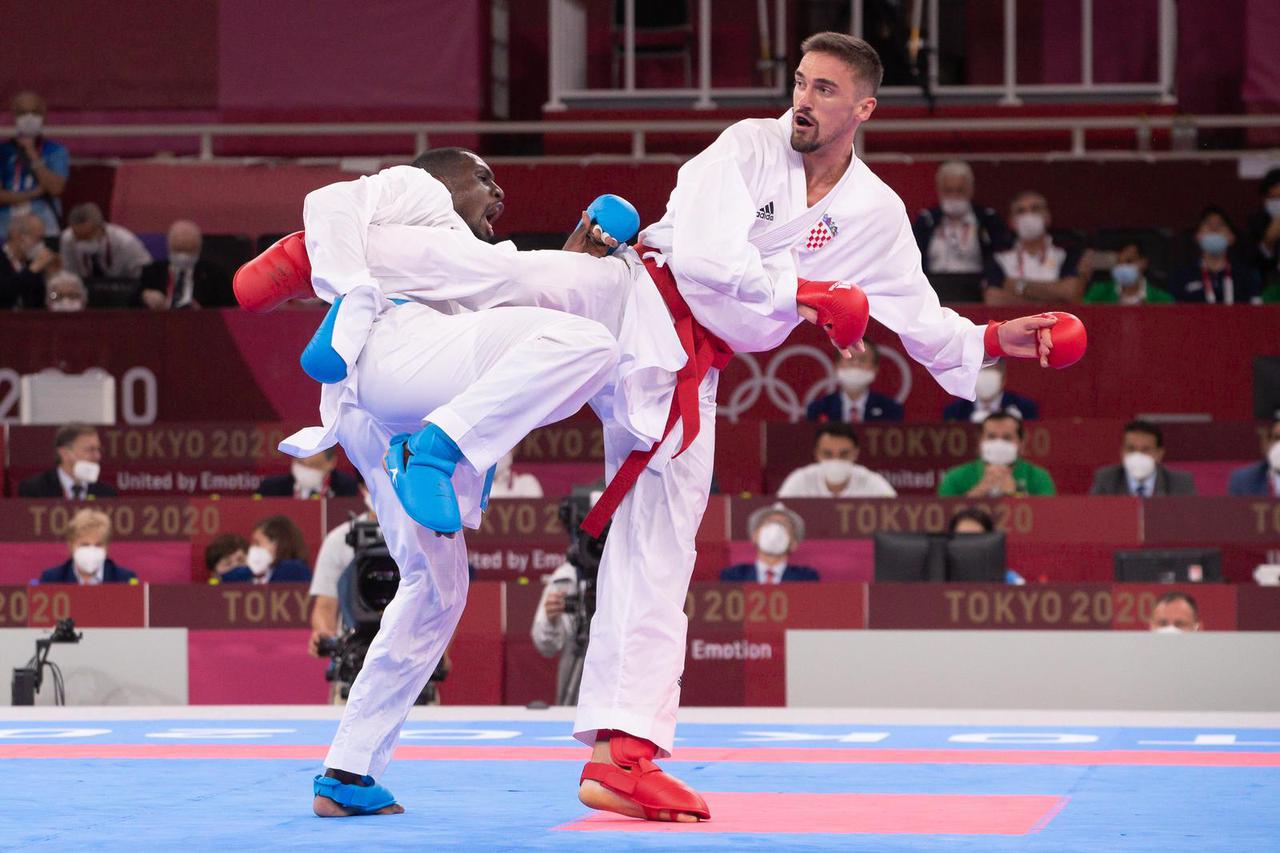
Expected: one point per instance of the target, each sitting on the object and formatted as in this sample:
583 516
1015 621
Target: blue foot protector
424 484
364 799
319 359
488 486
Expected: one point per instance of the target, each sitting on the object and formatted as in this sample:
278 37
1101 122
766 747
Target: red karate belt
704 351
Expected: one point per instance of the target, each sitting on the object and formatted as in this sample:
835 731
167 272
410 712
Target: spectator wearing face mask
1264 236
1261 479
509 484
1219 276
1035 270
1128 284
33 169
776 531
97 250
835 472
185 280
313 477
226 552
958 235
277 554
999 471
855 402
991 398
75 477
1175 613
66 293
88 534
1141 472
25 262
331 561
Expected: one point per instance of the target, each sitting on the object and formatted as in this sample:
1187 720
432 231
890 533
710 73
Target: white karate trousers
487 379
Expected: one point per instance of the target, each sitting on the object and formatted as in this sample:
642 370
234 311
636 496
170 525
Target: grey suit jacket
1111 480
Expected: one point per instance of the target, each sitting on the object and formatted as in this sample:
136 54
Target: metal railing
418 135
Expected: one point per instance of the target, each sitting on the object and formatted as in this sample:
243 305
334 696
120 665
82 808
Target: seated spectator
97 250
33 170
509 484
277 554
776 531
959 235
331 561
1175 613
75 477
992 397
1128 284
65 292
185 280
1035 270
1261 479
1141 472
88 534
24 263
1220 276
313 477
855 402
999 472
226 552
1264 236
834 472
977 520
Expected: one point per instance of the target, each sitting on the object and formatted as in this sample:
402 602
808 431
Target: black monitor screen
1170 565
976 558
908 557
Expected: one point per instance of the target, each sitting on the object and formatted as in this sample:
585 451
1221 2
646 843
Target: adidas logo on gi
765 212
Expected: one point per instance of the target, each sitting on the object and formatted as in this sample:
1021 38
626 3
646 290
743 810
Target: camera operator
332 560
562 621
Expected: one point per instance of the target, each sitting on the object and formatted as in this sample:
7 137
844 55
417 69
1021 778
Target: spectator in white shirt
1036 270
555 632
776 531
331 561
98 250
834 472
509 484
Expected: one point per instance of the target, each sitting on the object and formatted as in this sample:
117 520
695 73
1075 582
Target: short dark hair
67 435
1269 180
1219 211
1148 427
1136 244
281 530
440 163
1005 416
1172 597
839 430
861 57
972 513
223 546
85 213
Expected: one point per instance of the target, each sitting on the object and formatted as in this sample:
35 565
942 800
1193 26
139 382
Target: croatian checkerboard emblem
821 234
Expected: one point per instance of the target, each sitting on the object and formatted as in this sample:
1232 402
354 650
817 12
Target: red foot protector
1069 340
842 309
863 814
639 779
281 273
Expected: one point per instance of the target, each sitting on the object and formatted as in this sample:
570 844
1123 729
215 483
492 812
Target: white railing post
704 101
855 17
1086 42
629 45
206 146
1077 141
420 142
780 58
637 144
1010 53
1168 49
932 41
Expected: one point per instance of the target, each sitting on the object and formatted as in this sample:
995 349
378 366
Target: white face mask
1126 274
1273 456
258 560
990 383
1167 629
1273 207
85 471
997 451
955 206
855 380
1030 226
182 260
28 124
307 479
773 539
1139 466
90 560
89 247
836 471
65 304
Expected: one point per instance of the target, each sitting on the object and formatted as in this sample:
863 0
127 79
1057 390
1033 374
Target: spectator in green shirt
999 472
1128 284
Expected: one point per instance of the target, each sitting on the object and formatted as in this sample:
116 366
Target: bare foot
596 796
325 807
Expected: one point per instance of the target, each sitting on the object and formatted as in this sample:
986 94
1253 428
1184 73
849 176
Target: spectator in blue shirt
33 170
277 554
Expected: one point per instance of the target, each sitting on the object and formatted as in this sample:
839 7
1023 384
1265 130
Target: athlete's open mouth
803 121
494 210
